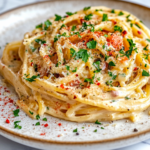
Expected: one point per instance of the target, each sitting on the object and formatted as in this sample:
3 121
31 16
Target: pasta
90 65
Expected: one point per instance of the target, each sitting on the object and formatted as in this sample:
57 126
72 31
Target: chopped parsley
76 33
86 8
98 10
102 127
67 67
145 48
127 97
75 130
44 119
120 13
40 41
105 17
69 13
31 112
91 44
16 112
58 36
111 63
138 26
112 75
47 23
109 82
112 11
73 28
106 57
88 17
95 130
55 39
32 78
83 54
72 52
148 40
75 70
146 56
89 80
97 66
16 125
37 117
97 122
145 73
57 17
37 124
63 25
39 26
117 28
129 52
85 26
32 48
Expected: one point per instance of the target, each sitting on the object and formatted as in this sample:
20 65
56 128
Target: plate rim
8 131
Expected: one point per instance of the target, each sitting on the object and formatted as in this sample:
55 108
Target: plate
58 134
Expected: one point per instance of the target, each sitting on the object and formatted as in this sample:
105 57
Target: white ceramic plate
59 133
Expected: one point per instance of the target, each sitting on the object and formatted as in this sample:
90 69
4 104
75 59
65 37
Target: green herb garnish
86 8
57 17
97 122
145 73
44 119
105 17
75 130
32 78
16 112
91 44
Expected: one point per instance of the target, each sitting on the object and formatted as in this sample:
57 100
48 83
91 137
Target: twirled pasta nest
86 66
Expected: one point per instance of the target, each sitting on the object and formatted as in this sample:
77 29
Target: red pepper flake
62 86
139 32
74 97
88 86
31 64
45 44
58 135
98 83
46 125
76 75
41 32
59 124
81 20
7 121
108 44
114 22
110 53
42 133
136 68
124 32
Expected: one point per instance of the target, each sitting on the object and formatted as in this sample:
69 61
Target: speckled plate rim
11 134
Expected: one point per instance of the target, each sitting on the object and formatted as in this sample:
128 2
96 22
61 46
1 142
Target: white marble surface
6 144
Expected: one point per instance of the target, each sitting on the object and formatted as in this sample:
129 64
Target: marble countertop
6 144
